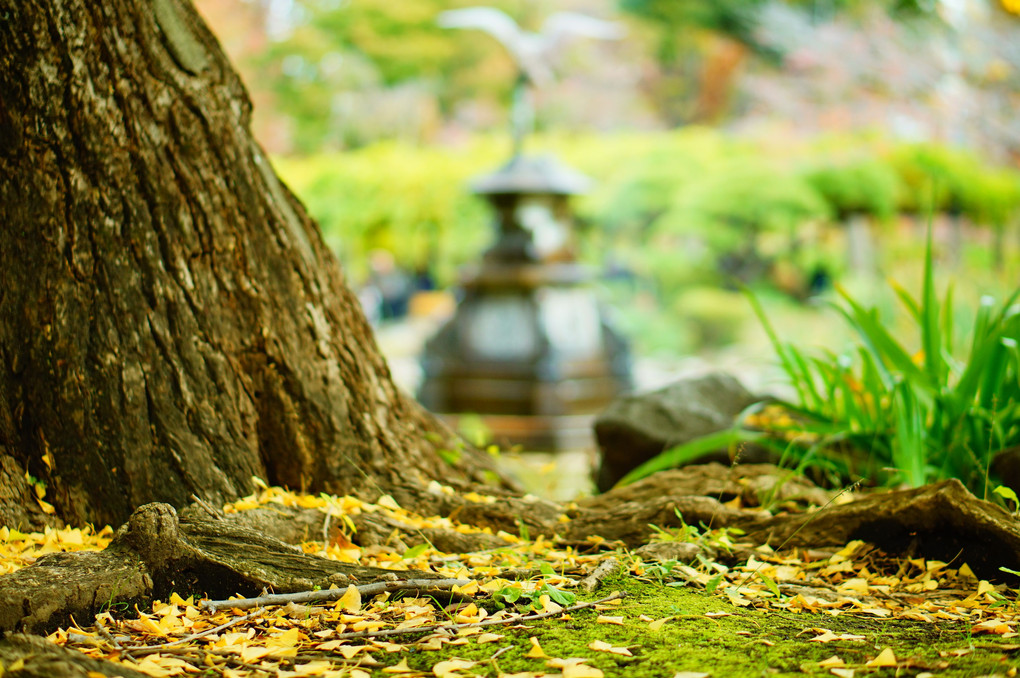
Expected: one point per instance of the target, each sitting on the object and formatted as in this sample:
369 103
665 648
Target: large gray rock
636 427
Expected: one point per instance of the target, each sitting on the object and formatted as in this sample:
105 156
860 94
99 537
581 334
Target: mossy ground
747 642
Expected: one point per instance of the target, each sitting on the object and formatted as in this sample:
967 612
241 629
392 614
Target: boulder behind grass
636 427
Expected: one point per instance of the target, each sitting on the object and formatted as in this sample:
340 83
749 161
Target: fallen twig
204 505
333 594
106 633
203 655
605 569
485 622
150 649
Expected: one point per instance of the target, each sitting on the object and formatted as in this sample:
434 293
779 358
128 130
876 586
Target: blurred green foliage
332 71
673 213
865 185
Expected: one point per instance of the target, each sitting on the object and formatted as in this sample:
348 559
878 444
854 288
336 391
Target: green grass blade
688 452
931 337
910 442
890 356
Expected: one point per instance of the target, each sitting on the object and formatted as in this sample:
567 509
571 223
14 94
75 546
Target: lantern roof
534 175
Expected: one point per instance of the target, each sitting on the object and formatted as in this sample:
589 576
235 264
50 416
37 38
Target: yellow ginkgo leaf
350 651
658 623
548 605
386 501
350 601
603 619
449 668
885 658
399 667
536 649
488 638
316 668
251 653
602 646
468 613
285 644
575 667
467 589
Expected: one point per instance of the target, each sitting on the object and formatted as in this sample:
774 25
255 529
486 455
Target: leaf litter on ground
180 636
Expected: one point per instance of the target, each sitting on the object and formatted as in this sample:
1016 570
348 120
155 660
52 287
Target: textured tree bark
39 658
170 320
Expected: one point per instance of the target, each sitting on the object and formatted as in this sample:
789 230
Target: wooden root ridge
159 551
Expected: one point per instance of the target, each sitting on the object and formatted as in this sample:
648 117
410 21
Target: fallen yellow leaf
488 638
548 605
582 671
315 668
450 667
885 658
536 649
284 644
828 636
399 667
603 619
252 653
467 589
602 646
575 667
350 602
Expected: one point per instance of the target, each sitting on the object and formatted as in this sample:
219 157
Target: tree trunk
170 319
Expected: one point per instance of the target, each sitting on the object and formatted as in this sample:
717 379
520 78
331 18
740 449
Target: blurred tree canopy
342 74
344 63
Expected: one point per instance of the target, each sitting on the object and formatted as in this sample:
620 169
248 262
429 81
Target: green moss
748 642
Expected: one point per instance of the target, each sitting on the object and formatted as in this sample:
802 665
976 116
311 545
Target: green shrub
714 317
863 185
694 193
943 178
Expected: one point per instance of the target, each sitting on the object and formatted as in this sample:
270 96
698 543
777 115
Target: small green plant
1009 495
661 570
683 533
518 597
883 411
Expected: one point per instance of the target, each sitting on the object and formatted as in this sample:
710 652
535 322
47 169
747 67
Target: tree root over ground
157 552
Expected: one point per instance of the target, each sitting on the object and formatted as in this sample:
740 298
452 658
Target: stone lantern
528 348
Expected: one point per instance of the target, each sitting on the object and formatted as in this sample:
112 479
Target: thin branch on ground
201 655
334 594
216 515
150 649
383 633
105 633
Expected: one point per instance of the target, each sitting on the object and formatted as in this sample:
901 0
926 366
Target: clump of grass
886 413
